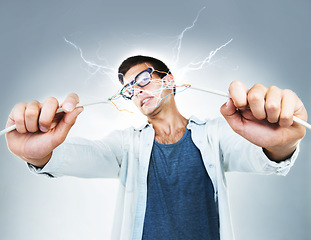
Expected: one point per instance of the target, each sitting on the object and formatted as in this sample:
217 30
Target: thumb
232 116
63 127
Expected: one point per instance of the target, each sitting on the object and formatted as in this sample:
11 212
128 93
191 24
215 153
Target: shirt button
211 165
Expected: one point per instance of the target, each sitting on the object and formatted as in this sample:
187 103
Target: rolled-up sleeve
86 158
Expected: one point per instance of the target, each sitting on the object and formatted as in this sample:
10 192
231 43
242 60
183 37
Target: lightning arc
192 66
181 36
199 65
109 71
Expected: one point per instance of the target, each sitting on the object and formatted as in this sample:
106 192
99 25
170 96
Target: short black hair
136 60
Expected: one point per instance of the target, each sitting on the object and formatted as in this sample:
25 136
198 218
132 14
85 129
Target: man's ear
169 80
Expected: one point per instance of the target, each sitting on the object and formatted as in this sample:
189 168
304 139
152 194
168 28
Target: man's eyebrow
131 77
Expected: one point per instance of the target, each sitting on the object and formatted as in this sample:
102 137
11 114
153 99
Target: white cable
220 93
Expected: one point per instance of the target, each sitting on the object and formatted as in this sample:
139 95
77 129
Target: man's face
147 98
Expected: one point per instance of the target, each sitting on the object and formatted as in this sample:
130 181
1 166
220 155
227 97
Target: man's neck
169 125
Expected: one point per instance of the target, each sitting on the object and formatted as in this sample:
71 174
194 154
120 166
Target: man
171 170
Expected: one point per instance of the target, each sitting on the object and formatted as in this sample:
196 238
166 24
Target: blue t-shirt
180 194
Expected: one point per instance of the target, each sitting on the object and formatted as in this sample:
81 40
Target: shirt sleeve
238 154
85 158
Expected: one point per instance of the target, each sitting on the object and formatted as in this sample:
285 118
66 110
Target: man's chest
169 138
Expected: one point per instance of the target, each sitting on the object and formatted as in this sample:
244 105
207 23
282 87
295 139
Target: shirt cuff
51 168
279 168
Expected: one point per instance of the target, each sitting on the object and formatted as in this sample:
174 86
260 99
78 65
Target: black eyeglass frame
133 83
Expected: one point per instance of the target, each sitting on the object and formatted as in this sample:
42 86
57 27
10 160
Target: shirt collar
193 120
142 126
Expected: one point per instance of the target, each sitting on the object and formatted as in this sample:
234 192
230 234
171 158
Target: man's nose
138 90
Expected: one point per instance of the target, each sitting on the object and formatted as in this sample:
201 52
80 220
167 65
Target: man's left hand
264 116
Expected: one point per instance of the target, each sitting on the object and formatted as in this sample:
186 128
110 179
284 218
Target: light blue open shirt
125 155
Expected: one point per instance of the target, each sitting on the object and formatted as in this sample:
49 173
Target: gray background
271 45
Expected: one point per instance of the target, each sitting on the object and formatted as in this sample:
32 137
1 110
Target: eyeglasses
141 80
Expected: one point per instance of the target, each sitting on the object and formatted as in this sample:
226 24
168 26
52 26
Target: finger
65 125
273 104
32 116
300 110
256 101
232 116
17 117
238 93
48 110
70 102
289 101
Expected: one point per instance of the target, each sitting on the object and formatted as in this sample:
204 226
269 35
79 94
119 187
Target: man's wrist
279 154
40 163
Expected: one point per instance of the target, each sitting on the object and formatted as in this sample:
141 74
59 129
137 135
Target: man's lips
145 100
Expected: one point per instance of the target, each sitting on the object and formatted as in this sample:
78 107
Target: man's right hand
39 130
